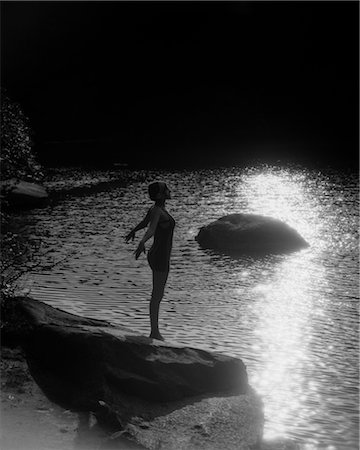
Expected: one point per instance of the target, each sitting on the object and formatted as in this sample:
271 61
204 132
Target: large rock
23 193
250 233
78 361
155 394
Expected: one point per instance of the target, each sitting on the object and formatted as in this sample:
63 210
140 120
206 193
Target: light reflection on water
293 319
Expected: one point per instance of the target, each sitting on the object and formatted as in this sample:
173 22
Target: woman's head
159 191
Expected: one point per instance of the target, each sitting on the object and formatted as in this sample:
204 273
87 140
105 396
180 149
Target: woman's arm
154 219
138 227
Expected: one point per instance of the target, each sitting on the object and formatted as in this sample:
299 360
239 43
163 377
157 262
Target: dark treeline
195 82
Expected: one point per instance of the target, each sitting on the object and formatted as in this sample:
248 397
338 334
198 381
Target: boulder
77 361
250 233
23 194
151 393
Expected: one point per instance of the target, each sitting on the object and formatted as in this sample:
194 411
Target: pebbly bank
153 394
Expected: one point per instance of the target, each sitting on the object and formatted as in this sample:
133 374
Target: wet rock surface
250 233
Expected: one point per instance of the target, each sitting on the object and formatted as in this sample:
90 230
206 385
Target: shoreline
29 421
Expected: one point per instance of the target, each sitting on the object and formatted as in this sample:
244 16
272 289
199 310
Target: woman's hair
156 188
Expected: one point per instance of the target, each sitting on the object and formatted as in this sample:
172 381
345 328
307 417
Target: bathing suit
159 253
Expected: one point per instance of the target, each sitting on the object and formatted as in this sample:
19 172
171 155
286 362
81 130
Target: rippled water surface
293 319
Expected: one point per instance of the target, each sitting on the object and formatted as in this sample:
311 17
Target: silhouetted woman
161 227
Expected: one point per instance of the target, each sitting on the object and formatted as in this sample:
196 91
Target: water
293 319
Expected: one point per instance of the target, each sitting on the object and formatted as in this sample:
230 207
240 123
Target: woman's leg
159 281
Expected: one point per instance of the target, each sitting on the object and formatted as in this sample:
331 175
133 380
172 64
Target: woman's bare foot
156 336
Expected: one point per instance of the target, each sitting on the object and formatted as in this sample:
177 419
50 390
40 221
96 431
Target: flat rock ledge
153 394
250 233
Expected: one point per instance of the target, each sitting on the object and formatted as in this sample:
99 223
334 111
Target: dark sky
185 80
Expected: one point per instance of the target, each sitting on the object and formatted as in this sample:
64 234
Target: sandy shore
29 421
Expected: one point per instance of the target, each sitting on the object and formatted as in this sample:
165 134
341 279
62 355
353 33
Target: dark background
185 83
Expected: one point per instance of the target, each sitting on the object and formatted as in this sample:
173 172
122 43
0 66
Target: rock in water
24 194
250 233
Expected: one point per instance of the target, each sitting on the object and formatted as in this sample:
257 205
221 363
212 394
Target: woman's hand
139 250
130 236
